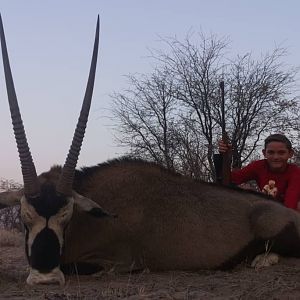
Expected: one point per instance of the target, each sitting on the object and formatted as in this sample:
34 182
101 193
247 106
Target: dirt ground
281 281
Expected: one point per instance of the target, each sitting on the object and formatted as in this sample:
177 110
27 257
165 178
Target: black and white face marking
45 218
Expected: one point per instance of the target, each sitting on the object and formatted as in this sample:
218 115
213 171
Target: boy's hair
277 137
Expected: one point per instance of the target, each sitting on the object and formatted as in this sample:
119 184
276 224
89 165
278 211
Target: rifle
222 161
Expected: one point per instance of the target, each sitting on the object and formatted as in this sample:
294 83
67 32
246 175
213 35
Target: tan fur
167 221
34 222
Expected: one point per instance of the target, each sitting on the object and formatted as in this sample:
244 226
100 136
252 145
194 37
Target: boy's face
277 155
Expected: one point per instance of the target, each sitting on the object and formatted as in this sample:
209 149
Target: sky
50 45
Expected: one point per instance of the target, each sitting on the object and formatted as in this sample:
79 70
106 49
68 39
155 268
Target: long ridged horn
31 185
66 180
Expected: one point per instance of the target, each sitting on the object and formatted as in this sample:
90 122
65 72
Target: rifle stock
226 162
226 157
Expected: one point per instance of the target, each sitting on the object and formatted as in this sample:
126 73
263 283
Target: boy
274 172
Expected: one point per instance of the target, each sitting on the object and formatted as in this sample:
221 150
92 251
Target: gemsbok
152 218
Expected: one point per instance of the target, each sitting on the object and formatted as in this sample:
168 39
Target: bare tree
173 116
261 100
197 69
191 151
10 217
146 115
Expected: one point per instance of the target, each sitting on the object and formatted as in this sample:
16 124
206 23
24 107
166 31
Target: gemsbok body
152 218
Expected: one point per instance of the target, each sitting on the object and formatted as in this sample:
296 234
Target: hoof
265 260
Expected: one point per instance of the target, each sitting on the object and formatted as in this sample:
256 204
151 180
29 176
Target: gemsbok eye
64 217
26 216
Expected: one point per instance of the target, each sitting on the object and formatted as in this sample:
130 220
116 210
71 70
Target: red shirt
287 182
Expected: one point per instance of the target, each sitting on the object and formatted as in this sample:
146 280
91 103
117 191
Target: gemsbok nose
55 276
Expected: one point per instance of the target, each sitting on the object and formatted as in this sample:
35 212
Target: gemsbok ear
89 206
10 198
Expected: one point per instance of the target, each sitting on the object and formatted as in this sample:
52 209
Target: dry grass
280 281
10 238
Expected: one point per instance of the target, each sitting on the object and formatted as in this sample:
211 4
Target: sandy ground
281 281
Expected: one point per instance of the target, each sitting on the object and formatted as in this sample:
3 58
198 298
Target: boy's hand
223 147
